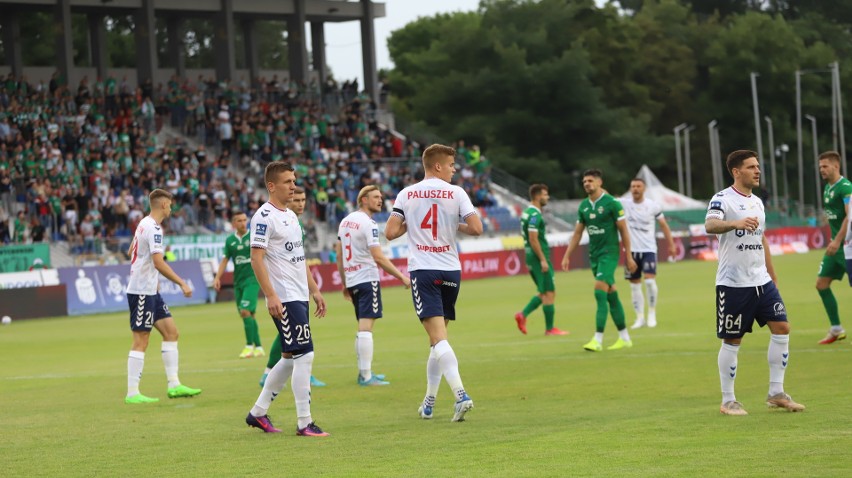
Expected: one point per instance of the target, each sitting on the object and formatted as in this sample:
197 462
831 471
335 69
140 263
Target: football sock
135 364
449 367
624 334
549 312
248 331
255 332
433 377
275 381
638 300
728 370
301 384
616 310
170 361
779 352
274 353
651 285
531 306
602 310
830 304
364 348
599 337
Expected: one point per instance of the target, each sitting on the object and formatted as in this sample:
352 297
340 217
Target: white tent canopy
668 199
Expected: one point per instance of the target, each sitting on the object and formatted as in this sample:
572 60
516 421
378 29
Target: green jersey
304 234
599 218
835 197
238 249
532 220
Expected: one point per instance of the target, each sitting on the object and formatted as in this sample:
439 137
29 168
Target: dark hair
640 180
736 159
237 212
832 156
537 189
275 168
593 172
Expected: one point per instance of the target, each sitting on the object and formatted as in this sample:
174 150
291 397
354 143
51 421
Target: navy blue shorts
435 292
294 328
737 308
367 299
145 310
646 263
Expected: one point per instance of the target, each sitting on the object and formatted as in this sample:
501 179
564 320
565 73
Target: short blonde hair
365 191
436 152
158 194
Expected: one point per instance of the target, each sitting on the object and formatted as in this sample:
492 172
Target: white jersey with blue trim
432 210
278 231
742 262
358 234
641 221
147 241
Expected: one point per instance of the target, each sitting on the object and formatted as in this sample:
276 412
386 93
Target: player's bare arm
768 257
536 248
667 233
338 248
385 263
719 226
319 301
273 303
625 241
217 284
575 242
394 228
472 225
163 268
837 242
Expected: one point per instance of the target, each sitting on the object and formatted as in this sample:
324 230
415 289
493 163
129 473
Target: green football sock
248 330
274 353
530 308
602 311
255 332
616 310
549 311
830 304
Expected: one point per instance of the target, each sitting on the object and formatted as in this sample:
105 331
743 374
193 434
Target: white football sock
779 352
275 381
135 364
638 301
728 370
624 334
170 361
364 346
599 337
433 378
651 285
301 384
449 367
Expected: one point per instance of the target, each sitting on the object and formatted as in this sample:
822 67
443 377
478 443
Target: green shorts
246 296
543 280
603 268
833 266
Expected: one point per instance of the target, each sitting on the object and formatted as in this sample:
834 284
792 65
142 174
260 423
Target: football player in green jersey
538 261
835 198
603 217
246 288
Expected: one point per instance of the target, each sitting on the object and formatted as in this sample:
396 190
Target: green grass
544 407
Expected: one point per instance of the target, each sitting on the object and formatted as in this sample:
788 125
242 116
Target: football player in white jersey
147 309
358 254
435 209
642 212
278 261
745 283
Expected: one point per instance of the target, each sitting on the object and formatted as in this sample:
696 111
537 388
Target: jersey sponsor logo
260 230
158 238
438 249
375 233
352 268
240 260
297 259
743 232
750 247
445 283
292 245
595 230
431 194
716 205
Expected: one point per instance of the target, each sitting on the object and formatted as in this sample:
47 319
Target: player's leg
535 301
367 300
274 357
607 268
245 317
274 380
547 287
636 297
167 328
141 322
601 311
301 347
426 299
734 314
829 270
248 306
772 312
650 271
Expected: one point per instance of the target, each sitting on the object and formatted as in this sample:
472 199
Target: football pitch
543 406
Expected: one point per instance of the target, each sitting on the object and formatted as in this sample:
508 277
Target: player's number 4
430 221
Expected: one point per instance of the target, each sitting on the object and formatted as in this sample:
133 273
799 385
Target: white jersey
433 209
741 256
278 231
358 233
641 220
147 241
